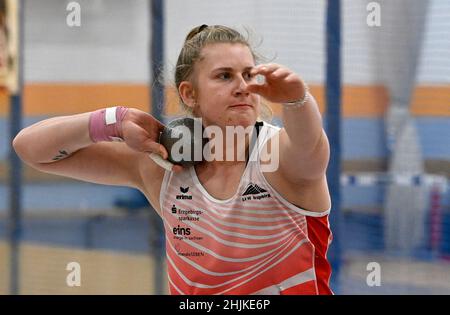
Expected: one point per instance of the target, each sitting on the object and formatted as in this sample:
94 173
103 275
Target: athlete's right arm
62 146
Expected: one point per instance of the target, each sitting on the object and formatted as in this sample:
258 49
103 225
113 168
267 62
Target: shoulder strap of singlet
258 126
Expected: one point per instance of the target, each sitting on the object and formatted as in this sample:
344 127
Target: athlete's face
221 78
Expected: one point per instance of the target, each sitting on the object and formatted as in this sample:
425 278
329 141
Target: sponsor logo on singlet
254 192
184 195
185 214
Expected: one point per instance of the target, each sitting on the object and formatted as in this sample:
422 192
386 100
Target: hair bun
195 31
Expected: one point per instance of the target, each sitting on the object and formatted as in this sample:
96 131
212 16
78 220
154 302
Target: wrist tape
106 124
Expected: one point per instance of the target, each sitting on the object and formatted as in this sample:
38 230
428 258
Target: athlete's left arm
303 145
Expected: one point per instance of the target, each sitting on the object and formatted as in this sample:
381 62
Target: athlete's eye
224 75
248 76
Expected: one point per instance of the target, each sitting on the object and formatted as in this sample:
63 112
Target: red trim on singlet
306 288
320 236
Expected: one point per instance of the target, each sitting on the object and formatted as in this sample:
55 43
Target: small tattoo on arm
62 155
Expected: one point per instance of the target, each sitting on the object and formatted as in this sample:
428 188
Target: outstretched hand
281 84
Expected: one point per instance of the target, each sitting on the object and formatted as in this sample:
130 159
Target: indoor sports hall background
392 224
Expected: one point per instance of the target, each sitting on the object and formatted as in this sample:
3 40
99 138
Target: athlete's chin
241 120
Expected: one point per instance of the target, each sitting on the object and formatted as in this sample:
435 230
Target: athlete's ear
187 93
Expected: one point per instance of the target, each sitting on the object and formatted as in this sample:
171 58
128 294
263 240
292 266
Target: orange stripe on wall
40 99
365 101
431 101
64 99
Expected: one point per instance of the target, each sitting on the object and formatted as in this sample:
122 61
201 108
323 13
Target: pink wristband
106 124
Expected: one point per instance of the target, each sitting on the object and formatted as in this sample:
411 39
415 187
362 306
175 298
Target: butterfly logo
184 190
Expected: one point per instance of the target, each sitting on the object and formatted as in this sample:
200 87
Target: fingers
155 124
147 121
161 162
256 88
143 135
154 147
272 72
265 69
138 138
159 124
165 163
159 155
281 73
